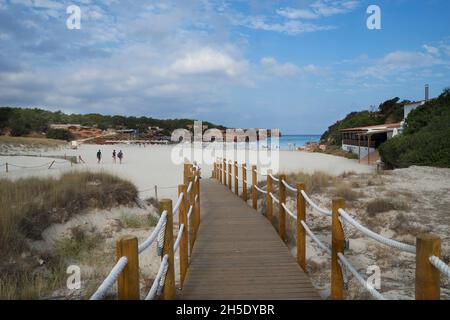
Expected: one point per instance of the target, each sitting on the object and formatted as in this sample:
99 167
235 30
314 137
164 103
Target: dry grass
345 190
31 205
314 183
385 205
135 221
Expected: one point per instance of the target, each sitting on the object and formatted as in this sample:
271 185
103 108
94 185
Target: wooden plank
238 254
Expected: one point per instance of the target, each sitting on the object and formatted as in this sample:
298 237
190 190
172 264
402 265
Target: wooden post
281 211
192 220
269 198
197 207
169 282
156 192
244 182
184 247
337 242
301 233
254 191
230 173
427 276
7 167
186 174
128 281
224 164
220 172
236 178
53 162
368 150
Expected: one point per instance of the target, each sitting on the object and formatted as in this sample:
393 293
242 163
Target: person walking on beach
99 156
114 156
120 156
80 159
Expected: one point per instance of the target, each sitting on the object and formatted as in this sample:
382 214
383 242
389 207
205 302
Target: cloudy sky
294 65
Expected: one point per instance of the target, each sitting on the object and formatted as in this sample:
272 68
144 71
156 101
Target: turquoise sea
296 141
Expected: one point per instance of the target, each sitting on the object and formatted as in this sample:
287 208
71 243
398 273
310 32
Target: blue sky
294 65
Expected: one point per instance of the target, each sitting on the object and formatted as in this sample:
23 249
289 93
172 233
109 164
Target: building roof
377 128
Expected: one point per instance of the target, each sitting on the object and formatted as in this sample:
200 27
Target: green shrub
426 138
59 134
385 205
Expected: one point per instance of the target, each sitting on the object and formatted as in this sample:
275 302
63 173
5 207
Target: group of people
115 156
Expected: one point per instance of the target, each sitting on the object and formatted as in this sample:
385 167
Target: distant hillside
426 138
23 121
390 111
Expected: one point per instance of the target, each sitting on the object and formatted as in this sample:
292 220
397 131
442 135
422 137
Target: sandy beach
152 165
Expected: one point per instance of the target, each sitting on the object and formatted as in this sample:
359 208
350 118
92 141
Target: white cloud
431 50
208 60
320 8
272 66
291 27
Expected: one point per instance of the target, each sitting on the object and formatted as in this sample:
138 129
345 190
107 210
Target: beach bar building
364 141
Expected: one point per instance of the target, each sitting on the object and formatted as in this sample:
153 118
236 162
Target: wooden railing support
337 242
269 198
230 173
197 207
169 282
184 246
254 191
427 276
244 182
192 221
236 179
301 233
220 172
128 280
224 181
281 210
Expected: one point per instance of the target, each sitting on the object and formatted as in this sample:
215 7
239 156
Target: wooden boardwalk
239 255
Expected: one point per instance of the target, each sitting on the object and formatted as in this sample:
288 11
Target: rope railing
260 190
159 226
159 279
274 198
110 279
389 242
129 249
178 203
315 206
440 265
289 187
315 239
340 232
293 215
360 279
178 241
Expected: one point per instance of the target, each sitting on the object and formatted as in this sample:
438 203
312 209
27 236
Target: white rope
389 242
440 265
260 190
196 198
288 186
273 178
177 205
189 187
177 242
360 279
159 276
190 212
274 198
315 206
110 279
316 240
196 179
160 226
289 211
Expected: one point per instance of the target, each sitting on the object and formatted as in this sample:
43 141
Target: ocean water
296 141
